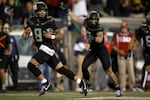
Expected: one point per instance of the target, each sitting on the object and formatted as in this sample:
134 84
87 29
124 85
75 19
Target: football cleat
89 86
83 86
45 87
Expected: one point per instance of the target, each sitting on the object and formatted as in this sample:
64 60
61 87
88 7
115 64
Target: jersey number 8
38 34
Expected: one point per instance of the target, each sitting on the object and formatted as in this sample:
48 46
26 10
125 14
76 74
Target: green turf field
33 95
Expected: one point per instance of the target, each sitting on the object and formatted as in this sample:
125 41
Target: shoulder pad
31 20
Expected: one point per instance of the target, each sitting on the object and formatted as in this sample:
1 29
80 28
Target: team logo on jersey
125 39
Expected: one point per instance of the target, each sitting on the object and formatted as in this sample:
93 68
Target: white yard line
114 98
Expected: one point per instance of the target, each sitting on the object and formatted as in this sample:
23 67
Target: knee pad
66 72
34 69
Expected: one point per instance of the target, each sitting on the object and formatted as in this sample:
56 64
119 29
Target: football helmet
93 19
94 15
38 7
148 18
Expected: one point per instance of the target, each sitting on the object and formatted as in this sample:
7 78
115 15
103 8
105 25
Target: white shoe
45 87
118 93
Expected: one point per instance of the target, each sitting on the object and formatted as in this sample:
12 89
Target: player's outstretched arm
75 18
64 6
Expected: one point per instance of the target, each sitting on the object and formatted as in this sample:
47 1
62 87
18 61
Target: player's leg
85 83
144 77
56 64
104 57
39 58
145 70
88 60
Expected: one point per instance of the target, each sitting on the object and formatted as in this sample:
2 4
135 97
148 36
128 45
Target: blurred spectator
146 4
16 14
53 7
125 8
3 14
80 50
5 50
12 60
10 13
98 5
120 45
27 11
137 6
80 8
113 7
1 25
107 43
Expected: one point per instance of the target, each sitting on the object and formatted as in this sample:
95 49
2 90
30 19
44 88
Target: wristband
53 36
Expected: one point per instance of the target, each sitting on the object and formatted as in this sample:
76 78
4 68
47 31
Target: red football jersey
122 41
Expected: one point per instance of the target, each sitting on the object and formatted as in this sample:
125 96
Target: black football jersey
143 33
39 27
91 32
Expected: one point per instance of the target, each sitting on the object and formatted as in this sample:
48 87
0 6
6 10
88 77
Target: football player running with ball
44 33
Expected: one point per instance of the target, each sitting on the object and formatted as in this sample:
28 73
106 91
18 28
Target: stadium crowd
17 12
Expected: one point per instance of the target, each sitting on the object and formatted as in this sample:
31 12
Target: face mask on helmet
148 18
93 19
40 10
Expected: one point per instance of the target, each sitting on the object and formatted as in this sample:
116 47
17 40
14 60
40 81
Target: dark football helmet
38 7
148 18
94 15
93 19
